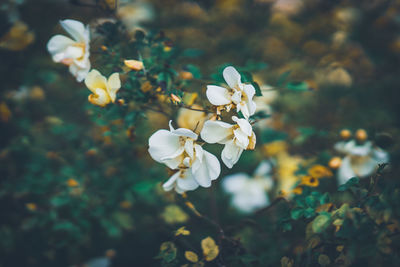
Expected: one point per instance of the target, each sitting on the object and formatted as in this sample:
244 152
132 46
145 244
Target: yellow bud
345 134
72 182
125 204
104 48
37 93
167 48
186 75
31 206
361 135
176 98
134 64
110 253
335 163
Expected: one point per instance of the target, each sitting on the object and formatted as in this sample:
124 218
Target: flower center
81 46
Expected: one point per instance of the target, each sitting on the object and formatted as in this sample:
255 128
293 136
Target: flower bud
345 134
335 163
361 135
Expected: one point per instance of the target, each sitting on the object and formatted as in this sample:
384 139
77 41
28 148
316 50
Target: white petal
249 90
185 132
189 147
173 163
364 166
170 184
171 128
75 28
73 52
244 125
237 97
231 154
242 139
380 155
235 182
243 108
208 170
78 72
251 106
360 150
214 167
57 46
216 132
218 95
163 144
231 76
345 172
199 152
187 183
263 169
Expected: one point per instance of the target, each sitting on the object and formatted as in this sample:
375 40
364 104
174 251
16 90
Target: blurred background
76 189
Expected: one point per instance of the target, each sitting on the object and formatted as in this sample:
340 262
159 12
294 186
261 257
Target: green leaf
353 182
282 78
246 77
297 86
324 198
257 87
321 222
296 213
168 251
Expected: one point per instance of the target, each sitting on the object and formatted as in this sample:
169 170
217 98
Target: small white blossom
239 94
250 193
360 159
177 148
72 52
236 138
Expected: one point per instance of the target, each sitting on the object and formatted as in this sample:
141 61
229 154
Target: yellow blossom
297 190
309 181
37 93
319 171
274 148
103 91
287 167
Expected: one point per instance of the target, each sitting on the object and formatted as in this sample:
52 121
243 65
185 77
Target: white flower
72 52
360 160
177 148
239 94
236 138
249 193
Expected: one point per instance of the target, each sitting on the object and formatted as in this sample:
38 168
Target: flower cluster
180 150
361 157
75 54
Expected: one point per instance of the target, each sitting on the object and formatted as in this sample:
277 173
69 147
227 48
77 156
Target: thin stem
196 109
157 110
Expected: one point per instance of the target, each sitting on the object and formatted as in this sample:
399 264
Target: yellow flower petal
95 80
114 84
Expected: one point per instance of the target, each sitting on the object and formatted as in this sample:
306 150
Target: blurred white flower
250 193
236 138
239 94
177 148
103 91
360 159
72 52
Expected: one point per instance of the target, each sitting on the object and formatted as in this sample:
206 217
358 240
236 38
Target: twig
276 201
157 110
195 109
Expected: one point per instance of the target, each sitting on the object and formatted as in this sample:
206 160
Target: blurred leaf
350 183
282 78
191 256
210 249
168 251
257 87
297 86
